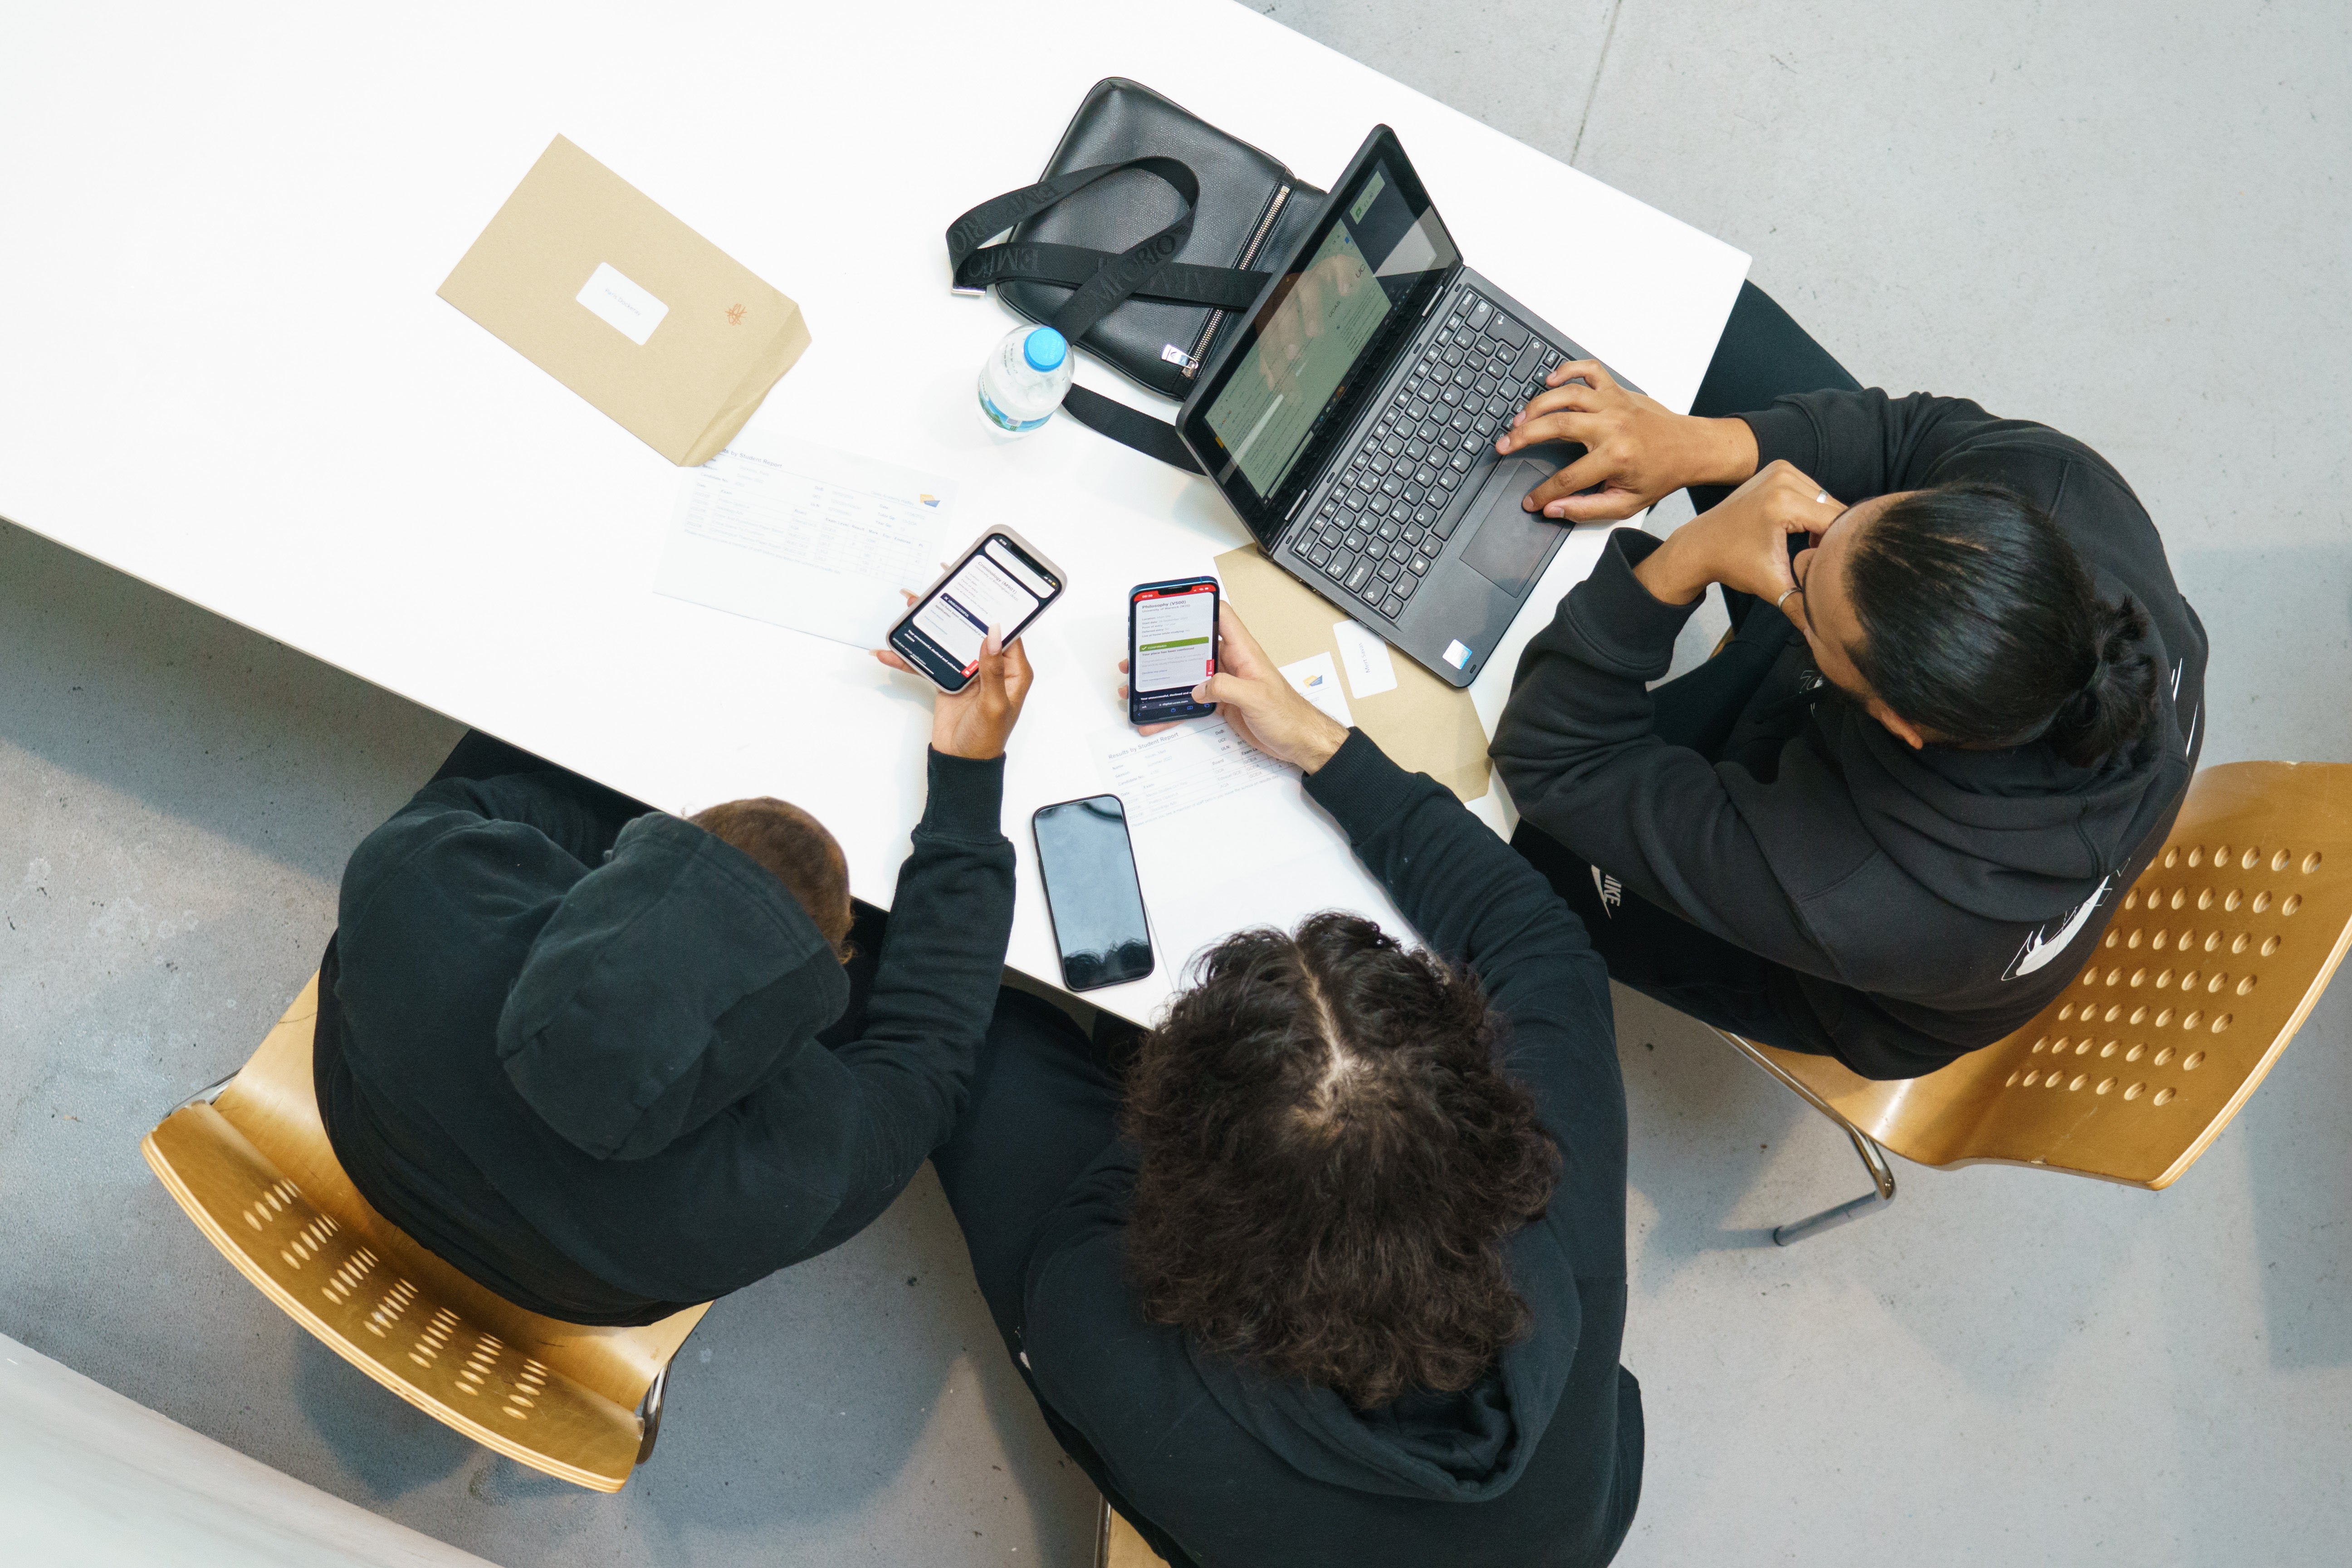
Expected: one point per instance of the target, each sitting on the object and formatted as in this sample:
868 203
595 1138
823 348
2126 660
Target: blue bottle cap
1044 348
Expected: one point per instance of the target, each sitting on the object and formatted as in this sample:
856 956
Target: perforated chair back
2210 963
253 1168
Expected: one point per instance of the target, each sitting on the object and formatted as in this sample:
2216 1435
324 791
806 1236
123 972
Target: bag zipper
1240 264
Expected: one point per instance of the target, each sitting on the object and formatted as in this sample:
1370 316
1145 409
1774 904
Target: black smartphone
1091 892
1171 647
1001 581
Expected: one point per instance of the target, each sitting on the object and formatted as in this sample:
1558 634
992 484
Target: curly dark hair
1332 1157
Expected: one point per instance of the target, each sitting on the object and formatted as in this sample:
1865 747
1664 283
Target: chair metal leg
1874 1159
649 1411
207 1094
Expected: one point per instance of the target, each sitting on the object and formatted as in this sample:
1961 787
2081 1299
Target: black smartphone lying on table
1087 864
1171 647
1002 580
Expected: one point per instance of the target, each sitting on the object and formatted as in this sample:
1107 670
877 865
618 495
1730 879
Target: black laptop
1351 422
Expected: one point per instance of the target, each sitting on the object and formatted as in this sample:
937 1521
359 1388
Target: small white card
627 308
1318 680
1370 671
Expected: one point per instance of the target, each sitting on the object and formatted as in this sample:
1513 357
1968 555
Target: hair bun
2118 699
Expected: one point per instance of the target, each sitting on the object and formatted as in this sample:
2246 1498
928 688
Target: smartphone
1091 892
1171 647
1001 581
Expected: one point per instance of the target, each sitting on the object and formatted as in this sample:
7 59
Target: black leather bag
1140 244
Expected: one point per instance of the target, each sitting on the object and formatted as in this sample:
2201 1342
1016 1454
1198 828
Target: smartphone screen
999 585
1171 647
1091 892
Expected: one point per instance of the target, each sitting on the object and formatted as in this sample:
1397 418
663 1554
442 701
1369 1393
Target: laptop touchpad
1508 545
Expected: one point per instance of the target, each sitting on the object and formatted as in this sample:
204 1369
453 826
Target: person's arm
1855 445
1578 748
1863 444
909 1070
1471 895
934 990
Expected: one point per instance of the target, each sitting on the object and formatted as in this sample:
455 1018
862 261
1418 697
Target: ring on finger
1822 499
1784 598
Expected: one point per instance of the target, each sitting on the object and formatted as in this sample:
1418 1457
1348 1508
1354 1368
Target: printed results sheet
1225 840
805 536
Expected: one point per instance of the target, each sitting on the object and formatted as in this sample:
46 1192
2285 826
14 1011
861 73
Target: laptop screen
1296 375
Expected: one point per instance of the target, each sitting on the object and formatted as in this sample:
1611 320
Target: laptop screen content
1347 297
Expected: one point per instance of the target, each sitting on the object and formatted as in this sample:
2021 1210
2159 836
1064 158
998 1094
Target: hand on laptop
1262 708
1636 449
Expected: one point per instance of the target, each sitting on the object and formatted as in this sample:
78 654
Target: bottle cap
1044 348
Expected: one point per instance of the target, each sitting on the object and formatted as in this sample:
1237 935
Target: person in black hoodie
608 1062
1957 714
1345 1286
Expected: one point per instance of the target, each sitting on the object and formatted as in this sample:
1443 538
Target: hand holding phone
1171 648
977 721
1263 707
997 587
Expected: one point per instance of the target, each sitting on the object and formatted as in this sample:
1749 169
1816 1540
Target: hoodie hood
2015 835
670 982
1469 1447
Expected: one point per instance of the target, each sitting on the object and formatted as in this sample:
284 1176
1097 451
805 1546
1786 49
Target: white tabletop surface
224 370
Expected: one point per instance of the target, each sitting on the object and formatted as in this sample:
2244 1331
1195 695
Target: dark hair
796 847
1332 1158
1981 624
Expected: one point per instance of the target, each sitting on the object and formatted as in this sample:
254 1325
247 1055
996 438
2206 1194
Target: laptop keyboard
1383 524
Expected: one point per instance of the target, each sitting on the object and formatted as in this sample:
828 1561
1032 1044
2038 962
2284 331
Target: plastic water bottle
1023 382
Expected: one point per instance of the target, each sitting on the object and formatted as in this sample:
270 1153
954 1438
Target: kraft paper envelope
1425 725
582 275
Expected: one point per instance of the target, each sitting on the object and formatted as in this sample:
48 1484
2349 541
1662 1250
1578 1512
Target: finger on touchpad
1508 546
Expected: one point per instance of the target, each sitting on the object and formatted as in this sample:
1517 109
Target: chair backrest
1124 1548
2210 964
254 1172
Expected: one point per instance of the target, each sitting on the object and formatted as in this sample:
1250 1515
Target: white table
223 368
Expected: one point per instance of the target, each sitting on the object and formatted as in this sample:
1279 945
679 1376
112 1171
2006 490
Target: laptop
1351 422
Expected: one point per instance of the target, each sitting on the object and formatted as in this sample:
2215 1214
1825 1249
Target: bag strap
1129 428
1033 261
1101 282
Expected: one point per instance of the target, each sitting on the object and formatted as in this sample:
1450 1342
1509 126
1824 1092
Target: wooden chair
1118 1545
249 1160
2210 963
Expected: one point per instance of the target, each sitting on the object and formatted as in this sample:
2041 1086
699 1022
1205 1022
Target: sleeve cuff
1785 431
1628 630
1360 786
966 798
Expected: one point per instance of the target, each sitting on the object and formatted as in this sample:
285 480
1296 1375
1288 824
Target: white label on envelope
1370 671
1318 680
629 308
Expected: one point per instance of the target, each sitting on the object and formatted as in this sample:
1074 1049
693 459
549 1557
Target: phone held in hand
1087 864
1002 580
1171 647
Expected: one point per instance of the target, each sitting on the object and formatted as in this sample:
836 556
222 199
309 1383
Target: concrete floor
2127 220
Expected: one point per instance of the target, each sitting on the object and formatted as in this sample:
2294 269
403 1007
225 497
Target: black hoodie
1918 904
593 1081
1538 1466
